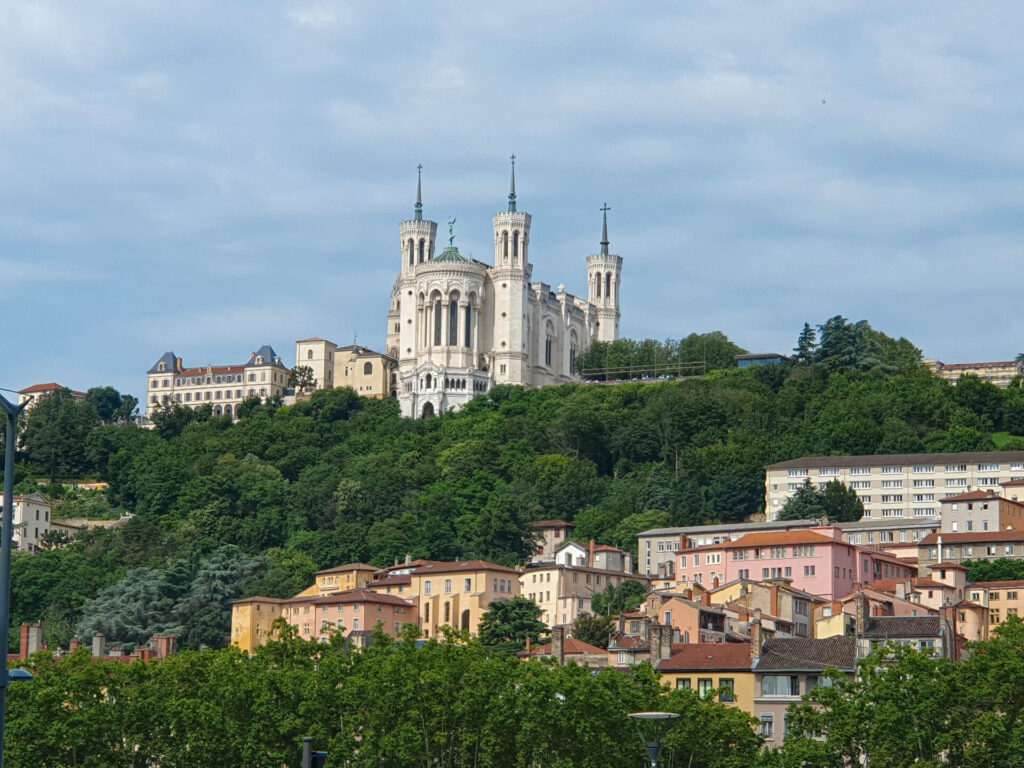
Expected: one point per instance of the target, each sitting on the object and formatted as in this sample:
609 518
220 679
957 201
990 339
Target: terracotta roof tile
972 538
999 584
797 654
708 656
348 567
572 647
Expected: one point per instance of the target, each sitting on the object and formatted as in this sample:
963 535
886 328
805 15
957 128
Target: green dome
451 253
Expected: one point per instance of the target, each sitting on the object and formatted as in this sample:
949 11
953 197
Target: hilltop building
33 394
221 386
458 326
371 374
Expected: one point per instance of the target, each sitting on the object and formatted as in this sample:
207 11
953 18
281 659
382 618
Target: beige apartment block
31 520
222 387
1000 373
566 592
371 374
908 485
1002 598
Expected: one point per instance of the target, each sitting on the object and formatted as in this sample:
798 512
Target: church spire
419 197
604 231
512 188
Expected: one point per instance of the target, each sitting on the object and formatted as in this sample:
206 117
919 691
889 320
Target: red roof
974 496
779 539
348 567
1013 483
969 366
211 369
949 565
571 647
708 656
998 584
50 387
552 524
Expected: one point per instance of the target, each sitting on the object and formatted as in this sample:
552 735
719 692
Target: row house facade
566 592
977 545
816 561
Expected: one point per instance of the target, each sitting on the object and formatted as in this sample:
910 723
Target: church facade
458 326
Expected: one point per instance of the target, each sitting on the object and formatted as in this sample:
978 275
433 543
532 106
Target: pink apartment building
816 560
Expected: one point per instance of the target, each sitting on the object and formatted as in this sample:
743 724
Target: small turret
417 235
604 275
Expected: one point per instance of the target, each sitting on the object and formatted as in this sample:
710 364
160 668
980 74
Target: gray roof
267 353
451 253
171 361
903 626
775 525
887 459
872 523
798 654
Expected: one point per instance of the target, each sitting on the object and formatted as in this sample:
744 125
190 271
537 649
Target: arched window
411 245
367 369
465 620
504 247
469 326
227 410
547 350
437 323
608 285
453 324
598 285
428 381
515 247
423 248
309 355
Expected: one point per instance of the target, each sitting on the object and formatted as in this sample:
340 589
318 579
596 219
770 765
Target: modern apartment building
978 545
223 387
905 485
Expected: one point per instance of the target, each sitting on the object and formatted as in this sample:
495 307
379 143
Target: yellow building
251 621
454 594
356 613
342 578
704 667
371 374
1002 598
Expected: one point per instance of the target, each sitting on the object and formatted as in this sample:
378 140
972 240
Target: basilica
458 326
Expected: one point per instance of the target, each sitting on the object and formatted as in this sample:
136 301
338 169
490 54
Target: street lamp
6 537
652 727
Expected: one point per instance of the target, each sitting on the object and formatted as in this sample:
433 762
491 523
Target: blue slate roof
169 359
267 353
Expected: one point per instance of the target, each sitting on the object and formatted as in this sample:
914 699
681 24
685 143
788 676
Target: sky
208 177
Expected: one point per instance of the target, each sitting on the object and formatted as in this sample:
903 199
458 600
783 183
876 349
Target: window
469 585
426 587
705 686
453 323
921 469
808 570
780 685
956 482
767 725
956 467
860 470
829 472
447 586
798 473
892 498
892 470
859 485
367 369
988 467
924 483
683 684
892 483
437 323
726 684
355 624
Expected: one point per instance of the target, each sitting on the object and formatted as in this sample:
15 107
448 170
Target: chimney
166 645
147 655
23 648
99 645
529 645
688 593
684 543
658 643
714 583
35 638
862 613
408 559
775 600
706 598
756 636
74 645
558 644
592 561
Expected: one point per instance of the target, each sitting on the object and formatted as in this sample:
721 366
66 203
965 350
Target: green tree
1000 569
836 501
301 377
593 629
506 624
56 430
806 344
614 600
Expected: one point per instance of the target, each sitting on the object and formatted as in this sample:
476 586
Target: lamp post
652 727
6 536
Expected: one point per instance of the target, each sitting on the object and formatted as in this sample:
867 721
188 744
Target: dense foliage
338 478
1001 569
445 703
839 503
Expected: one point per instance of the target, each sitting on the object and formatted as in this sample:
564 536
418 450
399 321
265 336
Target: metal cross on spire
604 232
512 188
419 196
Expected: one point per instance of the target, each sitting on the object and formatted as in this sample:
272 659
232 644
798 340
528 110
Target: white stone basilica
458 326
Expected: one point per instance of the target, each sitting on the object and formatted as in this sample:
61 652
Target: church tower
511 276
417 236
604 275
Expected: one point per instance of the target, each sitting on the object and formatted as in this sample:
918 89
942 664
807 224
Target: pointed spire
419 197
604 231
512 188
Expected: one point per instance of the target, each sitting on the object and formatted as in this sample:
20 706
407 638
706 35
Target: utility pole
6 537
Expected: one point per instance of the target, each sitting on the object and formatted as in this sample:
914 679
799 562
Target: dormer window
162 367
259 360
